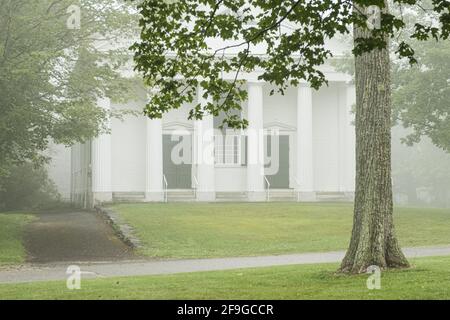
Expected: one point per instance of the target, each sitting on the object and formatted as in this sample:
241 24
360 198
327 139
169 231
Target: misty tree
422 95
174 45
27 187
421 165
421 104
421 91
53 68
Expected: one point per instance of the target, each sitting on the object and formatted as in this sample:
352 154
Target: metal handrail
195 186
268 189
166 187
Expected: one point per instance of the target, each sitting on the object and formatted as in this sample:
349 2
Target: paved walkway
73 236
38 272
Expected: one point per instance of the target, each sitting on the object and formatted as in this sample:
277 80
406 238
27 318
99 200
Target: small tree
174 44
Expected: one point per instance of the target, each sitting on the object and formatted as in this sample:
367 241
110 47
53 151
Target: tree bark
373 240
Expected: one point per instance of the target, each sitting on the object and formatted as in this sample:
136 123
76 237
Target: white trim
279 125
178 125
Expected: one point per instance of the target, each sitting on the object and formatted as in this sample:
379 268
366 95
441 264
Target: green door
177 165
279 180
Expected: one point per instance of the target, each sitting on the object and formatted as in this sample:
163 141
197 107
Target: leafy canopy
51 75
175 57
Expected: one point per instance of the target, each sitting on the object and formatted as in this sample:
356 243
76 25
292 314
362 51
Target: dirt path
73 237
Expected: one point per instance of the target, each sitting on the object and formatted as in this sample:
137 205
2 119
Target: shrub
27 187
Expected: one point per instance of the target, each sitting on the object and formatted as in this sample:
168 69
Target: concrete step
230 196
332 196
283 195
188 195
128 196
180 195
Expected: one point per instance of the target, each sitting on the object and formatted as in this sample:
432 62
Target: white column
154 188
204 158
255 143
342 137
350 134
101 162
305 165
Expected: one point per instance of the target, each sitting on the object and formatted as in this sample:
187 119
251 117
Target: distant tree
422 95
53 67
174 45
421 165
421 91
420 104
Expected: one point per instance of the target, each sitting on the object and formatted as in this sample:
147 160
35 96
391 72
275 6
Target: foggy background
421 163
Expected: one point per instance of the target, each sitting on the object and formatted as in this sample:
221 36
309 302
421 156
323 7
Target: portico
299 146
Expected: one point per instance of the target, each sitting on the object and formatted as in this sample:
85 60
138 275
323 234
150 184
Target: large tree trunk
373 240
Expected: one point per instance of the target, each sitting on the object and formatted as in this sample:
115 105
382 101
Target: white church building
298 147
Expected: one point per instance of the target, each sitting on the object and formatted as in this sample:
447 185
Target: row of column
256 183
203 143
204 152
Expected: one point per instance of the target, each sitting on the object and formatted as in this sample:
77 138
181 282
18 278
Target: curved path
139 268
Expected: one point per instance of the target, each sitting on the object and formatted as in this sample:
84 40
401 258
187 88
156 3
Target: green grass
11 233
248 229
428 279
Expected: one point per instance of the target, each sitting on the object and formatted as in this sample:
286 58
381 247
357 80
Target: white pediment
275 125
178 126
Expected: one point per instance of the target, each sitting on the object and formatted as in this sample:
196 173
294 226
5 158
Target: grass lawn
11 232
247 229
428 279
